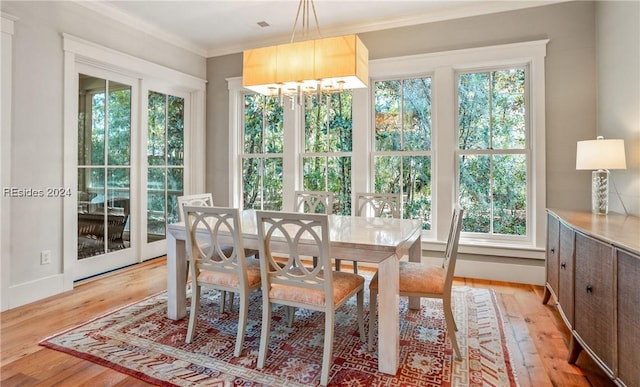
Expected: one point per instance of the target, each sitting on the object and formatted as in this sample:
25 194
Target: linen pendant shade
333 64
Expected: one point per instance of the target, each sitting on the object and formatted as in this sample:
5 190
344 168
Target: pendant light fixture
308 66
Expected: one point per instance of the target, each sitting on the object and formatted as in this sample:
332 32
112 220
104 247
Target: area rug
141 341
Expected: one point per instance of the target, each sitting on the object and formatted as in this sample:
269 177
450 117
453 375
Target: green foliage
492 117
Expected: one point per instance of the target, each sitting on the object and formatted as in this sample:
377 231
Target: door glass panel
104 160
165 157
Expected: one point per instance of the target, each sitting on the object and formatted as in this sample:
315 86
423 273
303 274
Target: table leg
415 255
176 281
388 316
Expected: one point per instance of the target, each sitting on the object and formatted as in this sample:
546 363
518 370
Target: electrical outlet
45 257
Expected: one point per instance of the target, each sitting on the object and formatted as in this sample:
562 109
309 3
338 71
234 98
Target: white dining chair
218 262
380 205
297 236
426 280
314 202
206 200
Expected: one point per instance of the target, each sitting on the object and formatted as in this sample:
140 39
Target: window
262 153
402 144
493 156
462 126
328 142
165 160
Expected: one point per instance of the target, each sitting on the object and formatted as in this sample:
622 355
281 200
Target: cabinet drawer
628 318
553 242
594 297
565 277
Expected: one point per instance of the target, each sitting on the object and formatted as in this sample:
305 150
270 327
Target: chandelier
316 66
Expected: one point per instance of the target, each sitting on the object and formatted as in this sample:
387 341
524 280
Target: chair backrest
214 240
314 202
295 237
381 204
203 199
451 251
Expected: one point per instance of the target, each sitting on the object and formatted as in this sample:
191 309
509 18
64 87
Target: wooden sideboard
593 273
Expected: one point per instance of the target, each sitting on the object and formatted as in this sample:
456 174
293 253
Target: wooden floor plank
536 335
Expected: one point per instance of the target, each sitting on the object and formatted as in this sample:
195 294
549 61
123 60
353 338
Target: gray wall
618 65
571 84
37 134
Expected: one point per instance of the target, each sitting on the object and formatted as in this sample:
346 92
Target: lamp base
600 192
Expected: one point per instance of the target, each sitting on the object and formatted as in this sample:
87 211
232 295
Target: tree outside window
402 144
493 155
328 145
262 153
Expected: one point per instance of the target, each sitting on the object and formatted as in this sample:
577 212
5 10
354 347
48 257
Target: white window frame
442 66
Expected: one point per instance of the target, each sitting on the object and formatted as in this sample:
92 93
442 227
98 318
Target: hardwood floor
536 335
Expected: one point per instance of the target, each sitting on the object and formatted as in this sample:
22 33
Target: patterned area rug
141 341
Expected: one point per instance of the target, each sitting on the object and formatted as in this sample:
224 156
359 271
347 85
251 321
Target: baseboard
34 291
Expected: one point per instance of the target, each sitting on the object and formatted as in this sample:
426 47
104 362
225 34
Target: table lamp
600 155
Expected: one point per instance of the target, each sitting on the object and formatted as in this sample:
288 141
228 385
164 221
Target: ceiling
219 27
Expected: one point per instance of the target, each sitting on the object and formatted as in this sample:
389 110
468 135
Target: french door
130 170
106 173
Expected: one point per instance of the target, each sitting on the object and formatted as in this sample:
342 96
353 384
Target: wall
37 128
618 66
570 86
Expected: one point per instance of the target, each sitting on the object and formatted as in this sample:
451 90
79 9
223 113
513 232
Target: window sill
493 248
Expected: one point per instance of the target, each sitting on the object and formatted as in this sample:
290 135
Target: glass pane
253 123
119 128
91 218
251 183
156 205
118 208
91 120
510 195
508 115
315 128
475 181
175 131
273 133
340 122
175 178
314 172
339 182
387 116
272 197
156 131
417 114
416 189
387 174
473 111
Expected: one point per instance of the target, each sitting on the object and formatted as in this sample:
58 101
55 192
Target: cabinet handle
563 265
589 289
553 251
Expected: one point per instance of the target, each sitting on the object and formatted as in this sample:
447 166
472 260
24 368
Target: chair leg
291 314
264 334
373 316
360 298
193 312
242 323
327 355
451 325
232 297
223 300
355 267
338 263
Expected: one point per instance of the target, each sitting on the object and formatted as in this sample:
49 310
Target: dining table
380 241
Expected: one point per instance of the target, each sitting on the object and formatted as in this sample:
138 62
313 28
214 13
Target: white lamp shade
600 154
